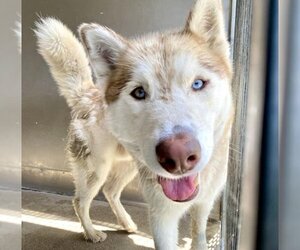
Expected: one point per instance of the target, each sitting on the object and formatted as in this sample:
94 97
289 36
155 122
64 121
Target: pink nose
178 153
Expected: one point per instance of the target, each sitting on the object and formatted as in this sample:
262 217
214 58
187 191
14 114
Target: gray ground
10 219
49 222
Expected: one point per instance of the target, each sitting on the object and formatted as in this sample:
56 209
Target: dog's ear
103 46
206 20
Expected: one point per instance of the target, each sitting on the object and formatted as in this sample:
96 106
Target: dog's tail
66 57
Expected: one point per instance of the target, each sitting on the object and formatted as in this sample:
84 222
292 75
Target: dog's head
168 95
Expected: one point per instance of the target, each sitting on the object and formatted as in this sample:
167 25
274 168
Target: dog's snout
179 153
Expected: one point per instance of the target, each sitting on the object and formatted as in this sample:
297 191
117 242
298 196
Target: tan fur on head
109 53
165 65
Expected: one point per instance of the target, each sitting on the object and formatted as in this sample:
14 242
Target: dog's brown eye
139 93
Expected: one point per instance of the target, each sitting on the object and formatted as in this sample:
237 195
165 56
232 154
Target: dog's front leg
199 215
164 225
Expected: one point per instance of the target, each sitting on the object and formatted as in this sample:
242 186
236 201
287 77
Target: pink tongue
178 190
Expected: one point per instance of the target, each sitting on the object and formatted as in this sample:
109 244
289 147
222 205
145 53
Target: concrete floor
10 219
49 222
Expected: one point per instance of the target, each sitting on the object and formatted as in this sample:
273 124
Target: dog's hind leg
87 186
84 195
117 180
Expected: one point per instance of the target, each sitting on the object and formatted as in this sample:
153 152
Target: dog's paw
95 236
129 226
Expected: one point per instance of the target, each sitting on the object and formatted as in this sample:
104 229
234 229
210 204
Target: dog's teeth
196 181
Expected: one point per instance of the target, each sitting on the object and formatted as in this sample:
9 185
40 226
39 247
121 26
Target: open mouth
180 190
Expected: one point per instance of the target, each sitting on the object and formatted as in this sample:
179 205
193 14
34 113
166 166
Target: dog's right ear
103 46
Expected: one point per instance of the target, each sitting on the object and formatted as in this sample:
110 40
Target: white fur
166 70
66 58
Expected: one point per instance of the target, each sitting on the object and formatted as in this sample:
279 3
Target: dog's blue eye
198 84
139 93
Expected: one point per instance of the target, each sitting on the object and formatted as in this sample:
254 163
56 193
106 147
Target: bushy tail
66 57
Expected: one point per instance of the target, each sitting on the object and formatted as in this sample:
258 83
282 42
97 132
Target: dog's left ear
103 46
206 20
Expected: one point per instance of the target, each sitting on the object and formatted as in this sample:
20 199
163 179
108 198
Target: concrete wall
10 96
10 127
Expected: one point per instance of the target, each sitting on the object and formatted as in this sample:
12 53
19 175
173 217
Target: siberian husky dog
161 102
